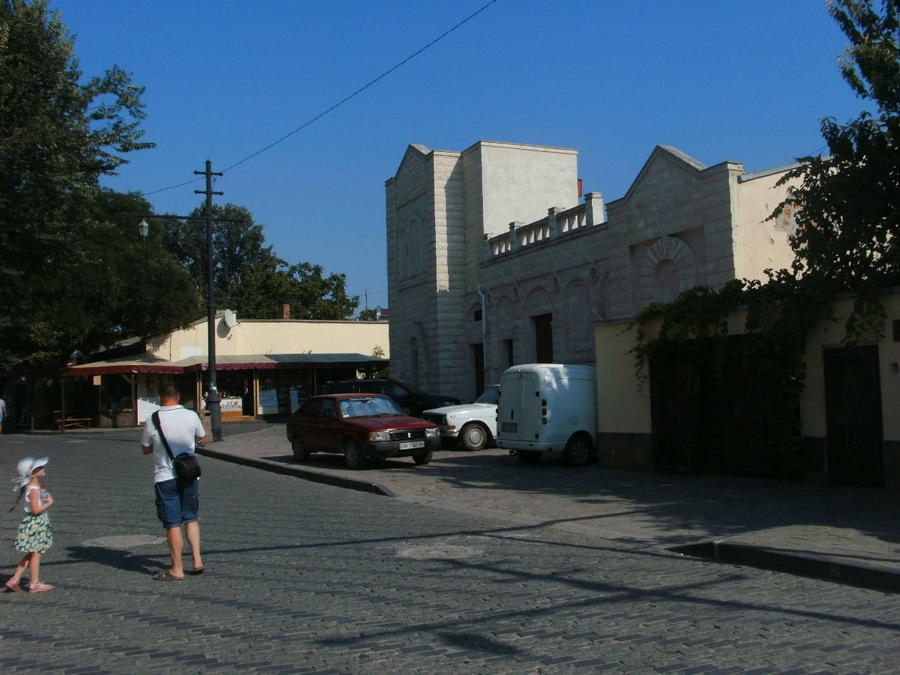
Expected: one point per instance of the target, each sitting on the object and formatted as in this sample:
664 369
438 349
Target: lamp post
213 404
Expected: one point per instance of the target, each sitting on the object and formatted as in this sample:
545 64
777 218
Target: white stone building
493 259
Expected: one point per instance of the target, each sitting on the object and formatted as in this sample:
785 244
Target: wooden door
853 416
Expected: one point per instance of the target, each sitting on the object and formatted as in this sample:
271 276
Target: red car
363 427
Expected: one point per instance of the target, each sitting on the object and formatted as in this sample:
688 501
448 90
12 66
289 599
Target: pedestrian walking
34 537
177 500
3 413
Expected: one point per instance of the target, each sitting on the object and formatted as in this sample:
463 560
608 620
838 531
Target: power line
342 101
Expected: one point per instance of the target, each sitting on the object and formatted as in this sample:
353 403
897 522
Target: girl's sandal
39 588
12 585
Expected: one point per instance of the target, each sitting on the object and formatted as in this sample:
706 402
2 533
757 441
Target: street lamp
212 400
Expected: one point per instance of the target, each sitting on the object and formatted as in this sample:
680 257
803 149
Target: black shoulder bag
186 466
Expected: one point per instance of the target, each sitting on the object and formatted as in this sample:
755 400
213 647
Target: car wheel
474 436
353 454
578 451
529 457
422 459
301 452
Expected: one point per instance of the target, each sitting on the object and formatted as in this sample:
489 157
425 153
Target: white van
548 410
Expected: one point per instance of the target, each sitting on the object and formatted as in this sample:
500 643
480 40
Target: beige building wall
760 243
250 337
623 394
830 334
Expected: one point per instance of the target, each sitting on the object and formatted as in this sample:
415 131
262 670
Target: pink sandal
12 585
39 588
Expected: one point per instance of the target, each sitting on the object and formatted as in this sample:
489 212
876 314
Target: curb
306 474
808 565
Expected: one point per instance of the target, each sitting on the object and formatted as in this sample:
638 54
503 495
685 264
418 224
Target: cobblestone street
305 577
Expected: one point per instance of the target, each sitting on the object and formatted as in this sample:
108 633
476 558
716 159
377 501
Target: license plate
509 427
412 445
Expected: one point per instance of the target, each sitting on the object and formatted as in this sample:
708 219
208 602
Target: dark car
412 401
363 427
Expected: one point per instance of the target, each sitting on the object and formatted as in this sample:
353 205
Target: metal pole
212 400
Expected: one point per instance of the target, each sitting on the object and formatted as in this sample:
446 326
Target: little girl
34 536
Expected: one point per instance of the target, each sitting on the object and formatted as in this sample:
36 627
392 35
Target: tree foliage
264 289
72 278
238 243
847 204
247 275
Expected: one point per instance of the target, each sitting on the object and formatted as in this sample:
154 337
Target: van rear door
519 410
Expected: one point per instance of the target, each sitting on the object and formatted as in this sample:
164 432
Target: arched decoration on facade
669 268
579 336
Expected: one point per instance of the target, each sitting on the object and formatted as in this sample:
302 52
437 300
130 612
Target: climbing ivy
780 313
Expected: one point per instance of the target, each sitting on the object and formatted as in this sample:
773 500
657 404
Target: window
329 411
508 348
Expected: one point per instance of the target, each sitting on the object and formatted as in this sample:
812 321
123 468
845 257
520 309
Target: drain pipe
484 349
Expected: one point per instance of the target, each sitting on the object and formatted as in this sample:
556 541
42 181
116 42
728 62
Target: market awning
144 363
149 364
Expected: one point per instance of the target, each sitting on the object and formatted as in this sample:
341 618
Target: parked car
548 410
412 401
473 425
364 427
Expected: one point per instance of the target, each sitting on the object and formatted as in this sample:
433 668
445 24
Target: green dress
34 534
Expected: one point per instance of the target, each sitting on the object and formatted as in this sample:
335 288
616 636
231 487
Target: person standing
3 413
177 501
34 536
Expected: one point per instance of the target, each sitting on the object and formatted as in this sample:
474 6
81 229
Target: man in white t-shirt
177 501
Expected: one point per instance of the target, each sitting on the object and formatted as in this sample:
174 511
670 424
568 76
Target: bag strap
162 436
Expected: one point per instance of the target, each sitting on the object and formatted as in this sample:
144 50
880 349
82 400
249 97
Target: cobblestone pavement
306 577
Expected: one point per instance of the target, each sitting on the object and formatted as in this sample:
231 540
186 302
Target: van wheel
474 436
353 455
578 451
301 452
422 459
529 457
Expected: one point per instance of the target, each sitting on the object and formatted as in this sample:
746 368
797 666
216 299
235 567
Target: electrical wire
339 103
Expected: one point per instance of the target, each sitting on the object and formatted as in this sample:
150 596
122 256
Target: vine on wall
779 316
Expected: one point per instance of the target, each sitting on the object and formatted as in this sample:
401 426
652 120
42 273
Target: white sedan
474 424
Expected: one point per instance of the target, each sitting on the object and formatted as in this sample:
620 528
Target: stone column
593 205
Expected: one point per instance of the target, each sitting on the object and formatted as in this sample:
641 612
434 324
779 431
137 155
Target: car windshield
373 406
490 395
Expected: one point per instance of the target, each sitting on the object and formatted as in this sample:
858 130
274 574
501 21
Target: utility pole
212 400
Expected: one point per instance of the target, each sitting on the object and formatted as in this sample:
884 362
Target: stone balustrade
559 222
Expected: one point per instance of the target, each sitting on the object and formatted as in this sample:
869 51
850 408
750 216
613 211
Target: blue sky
718 79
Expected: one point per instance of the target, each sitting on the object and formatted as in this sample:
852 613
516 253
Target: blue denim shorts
177 502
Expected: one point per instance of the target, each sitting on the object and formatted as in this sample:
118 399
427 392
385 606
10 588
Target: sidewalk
847 534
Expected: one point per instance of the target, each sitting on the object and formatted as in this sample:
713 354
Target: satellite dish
230 318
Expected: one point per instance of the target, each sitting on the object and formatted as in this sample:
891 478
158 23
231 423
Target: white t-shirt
42 497
181 427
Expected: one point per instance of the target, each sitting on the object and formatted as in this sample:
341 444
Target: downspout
484 348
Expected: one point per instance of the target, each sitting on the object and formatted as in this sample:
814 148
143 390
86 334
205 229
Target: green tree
57 137
846 205
238 245
248 277
264 289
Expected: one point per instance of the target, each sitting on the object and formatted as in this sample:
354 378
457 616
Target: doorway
853 416
543 338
